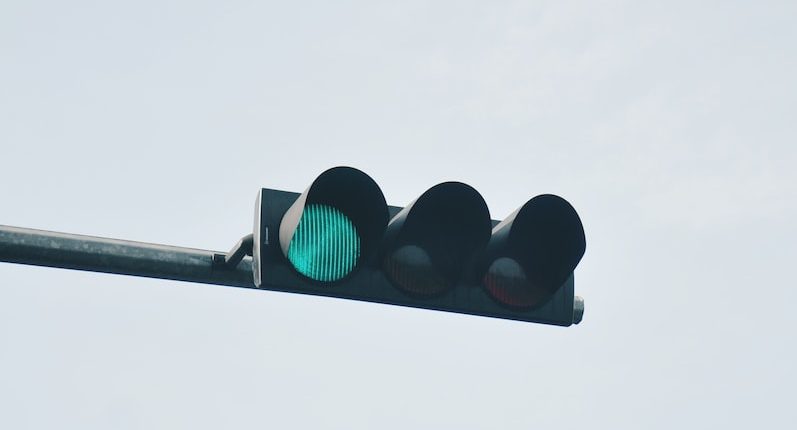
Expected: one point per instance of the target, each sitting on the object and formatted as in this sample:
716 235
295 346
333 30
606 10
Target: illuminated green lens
325 245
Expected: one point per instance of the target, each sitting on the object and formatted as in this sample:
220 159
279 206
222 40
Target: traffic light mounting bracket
231 259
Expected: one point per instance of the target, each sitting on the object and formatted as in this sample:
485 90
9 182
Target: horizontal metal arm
124 257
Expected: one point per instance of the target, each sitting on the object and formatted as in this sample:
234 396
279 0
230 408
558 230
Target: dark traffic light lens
507 282
411 269
325 245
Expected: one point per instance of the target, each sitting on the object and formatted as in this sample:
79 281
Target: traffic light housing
339 238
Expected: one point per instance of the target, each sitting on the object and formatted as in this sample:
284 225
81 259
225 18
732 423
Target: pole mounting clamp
231 259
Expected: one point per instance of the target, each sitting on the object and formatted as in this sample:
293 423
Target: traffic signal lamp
339 238
533 252
334 225
429 243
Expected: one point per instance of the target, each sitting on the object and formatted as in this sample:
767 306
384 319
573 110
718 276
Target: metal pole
124 257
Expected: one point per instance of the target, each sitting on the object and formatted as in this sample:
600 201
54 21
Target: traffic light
339 238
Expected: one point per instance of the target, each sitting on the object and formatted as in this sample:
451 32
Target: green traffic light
325 245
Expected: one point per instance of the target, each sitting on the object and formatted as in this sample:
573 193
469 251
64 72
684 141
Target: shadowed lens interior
507 282
325 245
411 269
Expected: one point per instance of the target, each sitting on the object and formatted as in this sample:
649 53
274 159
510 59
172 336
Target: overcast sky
670 127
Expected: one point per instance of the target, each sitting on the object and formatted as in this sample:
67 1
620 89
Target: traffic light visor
431 240
335 224
533 251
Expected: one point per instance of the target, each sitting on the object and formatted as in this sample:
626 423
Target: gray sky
670 127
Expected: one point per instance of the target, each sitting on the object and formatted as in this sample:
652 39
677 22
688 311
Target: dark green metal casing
369 282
